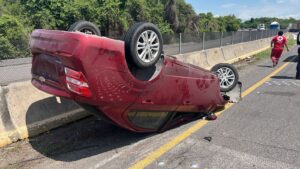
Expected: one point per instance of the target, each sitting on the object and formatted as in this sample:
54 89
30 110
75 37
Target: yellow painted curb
40 126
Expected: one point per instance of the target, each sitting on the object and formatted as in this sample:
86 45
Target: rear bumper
50 89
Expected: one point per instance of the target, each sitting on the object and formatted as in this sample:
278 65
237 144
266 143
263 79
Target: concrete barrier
227 54
26 111
195 58
215 56
4 139
238 50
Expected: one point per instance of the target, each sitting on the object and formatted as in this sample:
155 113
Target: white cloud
229 5
280 9
280 1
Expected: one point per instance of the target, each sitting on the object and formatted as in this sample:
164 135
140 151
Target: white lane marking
286 83
296 84
276 83
269 83
283 83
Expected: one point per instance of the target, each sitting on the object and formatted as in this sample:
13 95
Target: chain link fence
191 42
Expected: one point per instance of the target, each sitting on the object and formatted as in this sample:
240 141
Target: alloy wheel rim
148 46
226 76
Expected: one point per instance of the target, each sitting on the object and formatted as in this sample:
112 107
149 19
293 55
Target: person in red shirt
277 45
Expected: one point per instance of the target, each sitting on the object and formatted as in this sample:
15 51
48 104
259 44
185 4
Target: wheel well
146 74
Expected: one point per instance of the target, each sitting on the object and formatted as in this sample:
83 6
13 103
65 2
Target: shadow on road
87 137
282 77
83 139
291 59
267 66
78 140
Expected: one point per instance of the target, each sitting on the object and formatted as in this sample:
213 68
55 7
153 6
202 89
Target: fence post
221 39
203 41
232 38
242 36
249 35
256 35
180 42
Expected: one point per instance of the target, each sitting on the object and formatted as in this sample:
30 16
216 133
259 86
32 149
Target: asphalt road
16 70
261 131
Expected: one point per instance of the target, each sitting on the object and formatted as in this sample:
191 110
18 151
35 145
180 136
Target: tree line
19 17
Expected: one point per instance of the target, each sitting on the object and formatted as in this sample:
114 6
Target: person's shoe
274 64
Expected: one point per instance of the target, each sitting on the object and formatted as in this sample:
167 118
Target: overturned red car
130 83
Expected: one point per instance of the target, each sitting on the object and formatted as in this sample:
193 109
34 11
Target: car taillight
76 83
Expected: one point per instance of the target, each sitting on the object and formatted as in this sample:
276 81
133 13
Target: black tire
85 27
231 82
134 35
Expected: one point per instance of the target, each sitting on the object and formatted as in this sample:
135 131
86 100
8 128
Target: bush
13 38
7 50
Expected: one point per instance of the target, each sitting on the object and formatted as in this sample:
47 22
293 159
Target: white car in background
261 27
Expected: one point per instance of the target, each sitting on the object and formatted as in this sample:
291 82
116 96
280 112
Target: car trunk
47 68
52 51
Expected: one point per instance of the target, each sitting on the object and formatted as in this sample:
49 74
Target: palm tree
171 15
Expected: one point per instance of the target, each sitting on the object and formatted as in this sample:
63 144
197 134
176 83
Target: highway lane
262 131
259 132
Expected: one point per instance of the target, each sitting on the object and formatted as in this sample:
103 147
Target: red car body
109 83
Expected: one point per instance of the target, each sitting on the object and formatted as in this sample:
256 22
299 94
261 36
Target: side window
148 120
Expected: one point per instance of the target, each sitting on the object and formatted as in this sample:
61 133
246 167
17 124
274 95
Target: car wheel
227 75
143 44
85 27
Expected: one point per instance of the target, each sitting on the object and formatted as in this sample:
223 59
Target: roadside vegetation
19 17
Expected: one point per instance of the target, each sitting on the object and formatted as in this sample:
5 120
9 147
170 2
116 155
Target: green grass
267 53
263 54
291 43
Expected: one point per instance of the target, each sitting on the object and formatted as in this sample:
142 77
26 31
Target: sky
245 9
